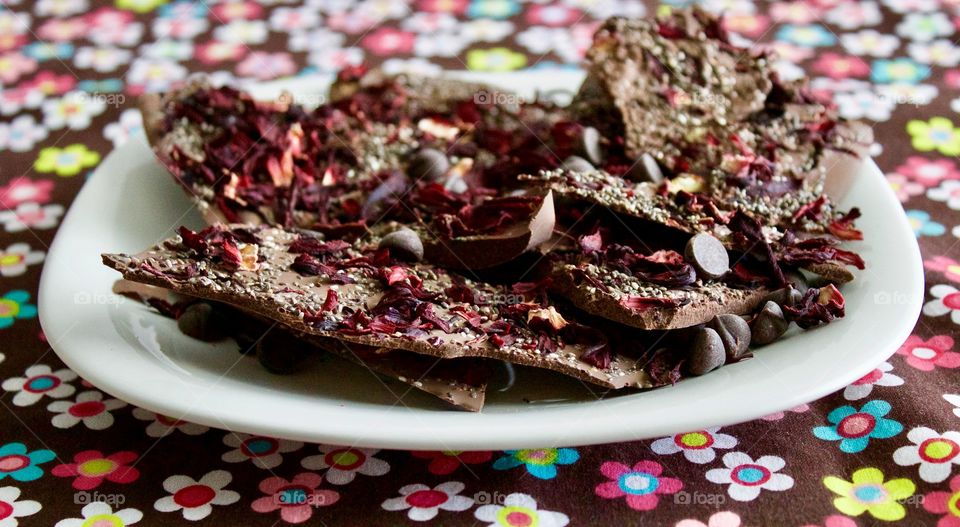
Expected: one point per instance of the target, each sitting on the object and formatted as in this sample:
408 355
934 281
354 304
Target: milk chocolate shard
460 382
361 296
534 226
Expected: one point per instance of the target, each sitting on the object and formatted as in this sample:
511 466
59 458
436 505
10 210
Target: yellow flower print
66 162
936 134
868 492
495 59
140 6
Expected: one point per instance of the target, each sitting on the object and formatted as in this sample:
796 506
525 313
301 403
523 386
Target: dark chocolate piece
404 244
734 332
768 325
706 352
708 256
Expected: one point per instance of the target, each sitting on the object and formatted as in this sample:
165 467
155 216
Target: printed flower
74 110
879 376
264 452
864 105
903 187
290 19
66 162
946 300
554 15
870 42
21 134
492 8
196 498
265 66
130 124
113 27
446 461
59 8
42 51
15 65
837 66
488 30
794 12
540 462
39 381
906 6
11 508
946 503
161 425
22 190
948 192
296 499
719 519
89 408
62 29
111 85
697 447
939 52
423 503
15 259
439 44
901 69
351 22
922 224
924 27
389 41
642 484
139 6
948 266
936 351
344 463
176 50
417 66
103 59
49 83
929 172
216 51
851 15
179 28
869 493
21 465
935 453
912 94
854 429
953 399
807 35
237 10
147 75
753 26
836 520
29 216
495 59
443 6
519 510
90 468
747 477
776 416
242 32
99 513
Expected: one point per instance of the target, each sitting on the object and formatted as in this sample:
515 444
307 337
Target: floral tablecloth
883 449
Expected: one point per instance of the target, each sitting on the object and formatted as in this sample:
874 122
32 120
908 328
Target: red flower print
389 41
228 11
216 51
49 83
443 6
837 66
945 502
952 78
22 190
445 462
296 499
948 266
642 485
927 355
90 468
750 25
555 15
928 172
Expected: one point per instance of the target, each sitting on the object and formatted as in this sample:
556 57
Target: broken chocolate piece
708 256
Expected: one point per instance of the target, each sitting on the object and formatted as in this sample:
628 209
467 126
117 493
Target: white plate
139 356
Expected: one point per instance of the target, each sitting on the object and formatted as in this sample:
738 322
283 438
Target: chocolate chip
202 322
428 164
708 256
787 296
734 332
280 352
646 169
403 244
577 164
706 352
768 325
590 145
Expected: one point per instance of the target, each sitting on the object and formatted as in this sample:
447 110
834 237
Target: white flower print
954 399
344 463
839 85
788 71
733 7
423 503
102 59
17 509
697 446
383 9
161 425
416 65
429 22
442 44
242 32
602 10
870 42
948 192
287 19
21 134
176 50
906 6
155 75
946 299
879 376
912 94
316 39
130 123
486 30
74 110
100 513
264 452
851 15
924 27
179 28
89 408
31 215
59 8
116 34
935 453
196 498
747 477
940 52
864 105
521 510
39 381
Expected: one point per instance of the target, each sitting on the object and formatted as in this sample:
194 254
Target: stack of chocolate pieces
664 224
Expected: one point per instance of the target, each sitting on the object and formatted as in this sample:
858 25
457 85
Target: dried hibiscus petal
817 307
